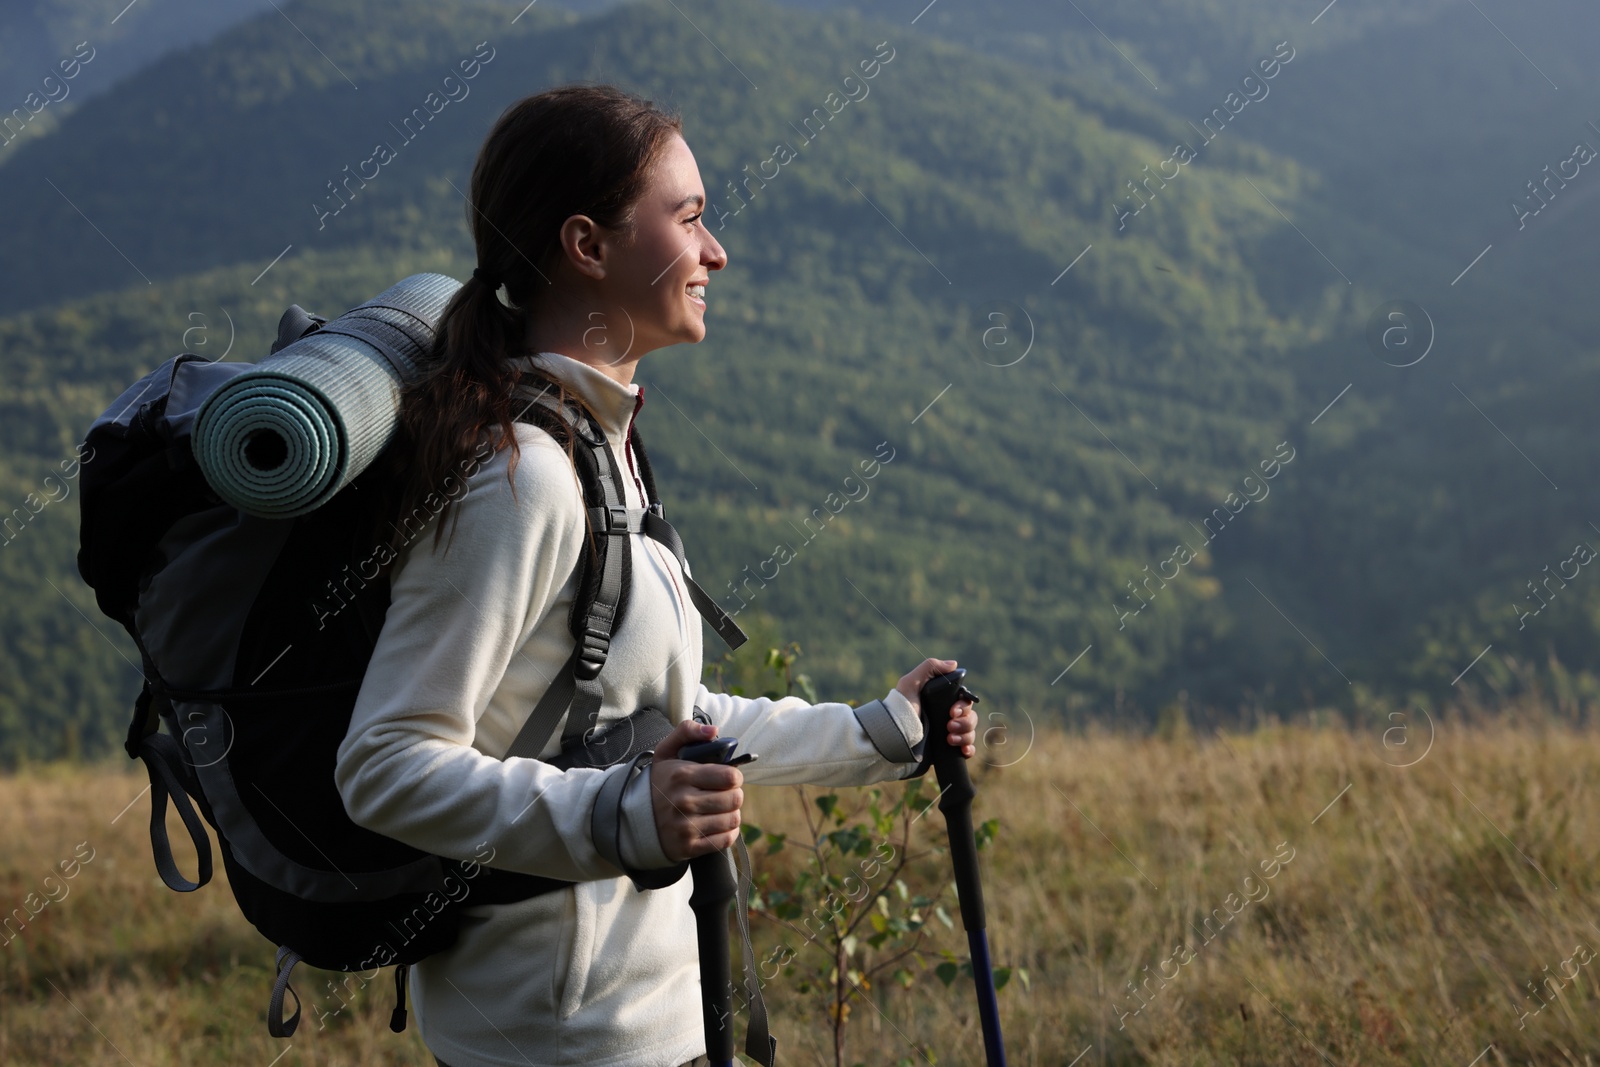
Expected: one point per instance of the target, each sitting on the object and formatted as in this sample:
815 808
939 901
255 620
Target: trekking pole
713 892
938 695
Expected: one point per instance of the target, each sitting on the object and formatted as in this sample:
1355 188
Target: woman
586 208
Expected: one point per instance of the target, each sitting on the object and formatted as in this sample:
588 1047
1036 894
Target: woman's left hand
963 727
963 731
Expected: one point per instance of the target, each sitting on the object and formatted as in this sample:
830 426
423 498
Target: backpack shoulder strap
604 578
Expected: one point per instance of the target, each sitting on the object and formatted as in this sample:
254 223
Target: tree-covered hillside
946 269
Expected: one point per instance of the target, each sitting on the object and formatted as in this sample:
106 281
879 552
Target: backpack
255 633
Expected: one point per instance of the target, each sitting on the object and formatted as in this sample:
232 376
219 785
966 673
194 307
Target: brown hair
571 150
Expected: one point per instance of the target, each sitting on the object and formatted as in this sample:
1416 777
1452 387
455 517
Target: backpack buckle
596 645
588 430
611 519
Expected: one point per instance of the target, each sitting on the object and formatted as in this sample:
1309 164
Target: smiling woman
505 668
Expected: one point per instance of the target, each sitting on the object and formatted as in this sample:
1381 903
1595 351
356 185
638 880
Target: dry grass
1405 929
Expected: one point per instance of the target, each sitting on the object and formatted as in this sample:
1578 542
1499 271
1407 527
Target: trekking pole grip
956 792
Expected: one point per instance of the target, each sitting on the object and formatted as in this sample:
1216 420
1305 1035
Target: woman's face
671 251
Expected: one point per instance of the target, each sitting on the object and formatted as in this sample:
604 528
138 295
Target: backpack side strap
277 1025
397 1018
169 778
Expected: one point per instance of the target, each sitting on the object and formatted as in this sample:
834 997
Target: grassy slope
1402 931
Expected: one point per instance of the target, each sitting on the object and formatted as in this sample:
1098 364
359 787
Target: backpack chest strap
618 521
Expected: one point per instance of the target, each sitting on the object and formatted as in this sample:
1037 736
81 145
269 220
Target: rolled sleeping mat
280 439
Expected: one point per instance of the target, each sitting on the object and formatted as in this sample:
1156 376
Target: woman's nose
712 254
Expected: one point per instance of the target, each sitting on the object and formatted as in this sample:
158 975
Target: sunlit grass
1406 927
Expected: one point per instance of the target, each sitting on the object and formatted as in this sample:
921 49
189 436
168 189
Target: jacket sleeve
407 767
820 744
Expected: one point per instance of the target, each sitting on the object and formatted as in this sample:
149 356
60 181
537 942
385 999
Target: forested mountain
1157 375
54 54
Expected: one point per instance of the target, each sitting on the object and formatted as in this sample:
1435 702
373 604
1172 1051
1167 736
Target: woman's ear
584 243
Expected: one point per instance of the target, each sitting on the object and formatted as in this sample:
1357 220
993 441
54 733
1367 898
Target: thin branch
890 962
866 906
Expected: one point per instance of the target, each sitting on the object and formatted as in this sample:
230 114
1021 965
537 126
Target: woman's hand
963 720
696 804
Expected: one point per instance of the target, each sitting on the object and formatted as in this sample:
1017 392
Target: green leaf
826 803
1001 975
750 832
946 972
850 840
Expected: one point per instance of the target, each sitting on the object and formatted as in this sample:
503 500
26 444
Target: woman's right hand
696 804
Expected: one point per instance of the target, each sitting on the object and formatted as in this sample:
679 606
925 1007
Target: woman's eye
692 218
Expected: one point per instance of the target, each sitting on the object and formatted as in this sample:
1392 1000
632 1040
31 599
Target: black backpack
255 634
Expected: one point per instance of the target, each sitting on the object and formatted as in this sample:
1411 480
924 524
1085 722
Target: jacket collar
612 403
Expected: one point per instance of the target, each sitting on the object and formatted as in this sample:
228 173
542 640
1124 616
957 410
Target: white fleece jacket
601 973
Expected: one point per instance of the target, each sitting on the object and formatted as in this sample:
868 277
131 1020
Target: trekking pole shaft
713 891
955 803
994 1049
